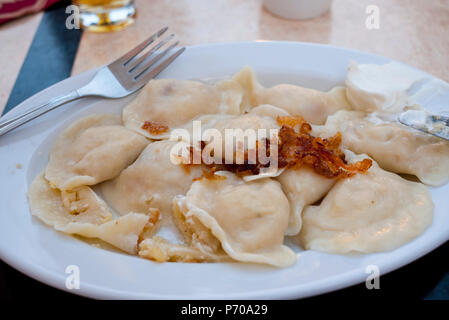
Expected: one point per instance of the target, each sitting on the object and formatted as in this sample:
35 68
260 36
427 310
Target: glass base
104 18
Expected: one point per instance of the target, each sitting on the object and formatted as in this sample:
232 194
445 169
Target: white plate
42 253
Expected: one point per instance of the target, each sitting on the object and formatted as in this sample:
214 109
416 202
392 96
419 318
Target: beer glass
106 15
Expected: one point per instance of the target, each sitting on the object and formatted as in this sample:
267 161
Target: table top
37 52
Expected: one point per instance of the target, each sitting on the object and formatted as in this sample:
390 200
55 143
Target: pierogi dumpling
174 103
247 79
83 213
260 117
395 147
249 219
267 110
243 139
372 212
92 150
313 105
195 130
242 126
213 134
302 187
150 182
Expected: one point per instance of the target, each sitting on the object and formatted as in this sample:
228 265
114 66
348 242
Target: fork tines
143 66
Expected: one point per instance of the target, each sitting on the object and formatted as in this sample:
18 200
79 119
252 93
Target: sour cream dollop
372 87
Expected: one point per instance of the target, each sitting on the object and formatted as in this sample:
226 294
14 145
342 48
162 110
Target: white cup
297 9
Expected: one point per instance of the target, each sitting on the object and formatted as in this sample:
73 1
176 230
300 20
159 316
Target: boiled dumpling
195 234
173 103
196 130
395 147
303 187
240 140
248 219
60 209
92 150
313 105
233 150
150 182
84 214
267 110
260 117
213 134
197 244
372 212
251 87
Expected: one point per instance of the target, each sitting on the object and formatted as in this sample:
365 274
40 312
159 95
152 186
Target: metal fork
119 79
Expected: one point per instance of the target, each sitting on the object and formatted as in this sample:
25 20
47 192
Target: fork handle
7 125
